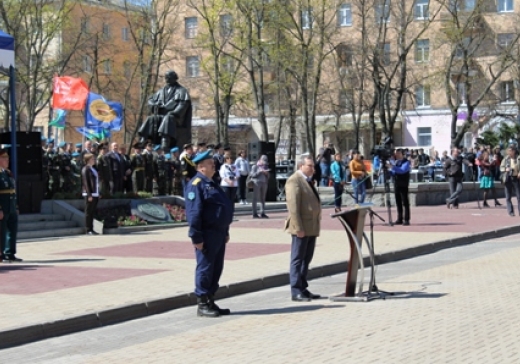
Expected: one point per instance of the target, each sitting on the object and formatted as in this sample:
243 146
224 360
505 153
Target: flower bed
124 217
177 213
131 220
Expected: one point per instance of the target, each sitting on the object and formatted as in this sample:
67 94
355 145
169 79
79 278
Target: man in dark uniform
65 168
137 162
188 167
45 168
201 148
103 169
76 172
8 211
209 213
53 159
168 173
218 158
127 169
148 168
159 169
78 148
401 172
116 171
177 173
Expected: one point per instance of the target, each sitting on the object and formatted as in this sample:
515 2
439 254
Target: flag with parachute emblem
103 113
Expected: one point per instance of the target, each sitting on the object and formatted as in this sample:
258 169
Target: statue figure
170 108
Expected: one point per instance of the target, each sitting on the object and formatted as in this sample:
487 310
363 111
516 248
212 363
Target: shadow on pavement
285 310
53 261
417 294
437 224
6 268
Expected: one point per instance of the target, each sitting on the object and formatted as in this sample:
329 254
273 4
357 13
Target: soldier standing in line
8 211
45 168
218 158
65 167
127 169
76 172
160 172
148 168
53 159
103 168
169 174
187 166
177 172
137 163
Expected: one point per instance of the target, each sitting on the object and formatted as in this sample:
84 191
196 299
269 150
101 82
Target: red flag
69 93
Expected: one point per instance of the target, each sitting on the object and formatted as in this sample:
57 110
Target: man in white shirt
243 167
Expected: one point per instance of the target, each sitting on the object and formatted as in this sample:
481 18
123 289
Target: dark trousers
242 189
455 190
127 185
401 200
90 208
302 251
210 263
8 232
512 184
148 184
116 185
338 192
138 181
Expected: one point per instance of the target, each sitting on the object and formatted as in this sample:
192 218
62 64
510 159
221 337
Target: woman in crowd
497 161
359 173
486 179
260 178
243 167
510 168
229 176
90 180
338 175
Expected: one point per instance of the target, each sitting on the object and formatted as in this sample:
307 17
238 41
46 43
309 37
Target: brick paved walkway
74 276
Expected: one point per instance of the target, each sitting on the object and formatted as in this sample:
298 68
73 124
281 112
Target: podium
353 220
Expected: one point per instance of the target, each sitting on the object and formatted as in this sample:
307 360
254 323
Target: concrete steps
37 226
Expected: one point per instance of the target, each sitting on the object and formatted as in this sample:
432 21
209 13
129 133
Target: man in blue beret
78 147
76 171
175 165
65 160
53 162
209 213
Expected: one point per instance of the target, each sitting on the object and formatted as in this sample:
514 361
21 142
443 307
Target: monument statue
170 108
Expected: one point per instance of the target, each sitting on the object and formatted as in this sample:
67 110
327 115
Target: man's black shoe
308 294
301 298
221 311
255 216
92 233
264 216
205 308
398 222
406 223
11 258
511 214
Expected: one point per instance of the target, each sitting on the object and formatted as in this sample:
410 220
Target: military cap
202 156
201 144
211 146
75 154
218 146
227 148
157 147
137 146
50 140
62 145
3 149
78 145
186 146
174 150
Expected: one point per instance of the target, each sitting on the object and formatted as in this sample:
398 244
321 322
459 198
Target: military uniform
9 223
209 214
137 162
67 178
177 177
76 174
148 171
103 169
160 174
188 169
45 172
53 162
169 174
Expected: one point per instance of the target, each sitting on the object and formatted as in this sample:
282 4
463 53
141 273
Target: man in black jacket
401 172
453 171
116 165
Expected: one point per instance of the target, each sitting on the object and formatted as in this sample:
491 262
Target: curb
27 334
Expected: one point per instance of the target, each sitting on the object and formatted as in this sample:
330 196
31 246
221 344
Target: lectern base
364 297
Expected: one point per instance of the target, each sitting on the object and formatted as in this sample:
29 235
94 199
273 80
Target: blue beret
50 140
62 145
202 156
78 145
168 156
5 146
44 139
173 150
75 154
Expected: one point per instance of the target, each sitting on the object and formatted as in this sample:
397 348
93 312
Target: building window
127 70
461 93
307 18
345 101
226 25
461 5
345 55
345 15
84 25
195 106
422 96
507 91
192 66
125 34
504 40
505 6
87 63
382 10
422 50
421 9
385 54
424 137
107 66
106 31
190 27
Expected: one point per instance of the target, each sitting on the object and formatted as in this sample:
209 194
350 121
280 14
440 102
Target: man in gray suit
303 223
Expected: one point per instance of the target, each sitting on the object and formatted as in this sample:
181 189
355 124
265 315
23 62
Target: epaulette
195 181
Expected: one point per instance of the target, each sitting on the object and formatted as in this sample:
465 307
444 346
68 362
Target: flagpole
14 150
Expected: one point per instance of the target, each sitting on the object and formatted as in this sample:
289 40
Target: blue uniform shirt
208 209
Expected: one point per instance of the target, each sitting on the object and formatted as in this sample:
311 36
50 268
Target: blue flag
103 113
95 132
59 119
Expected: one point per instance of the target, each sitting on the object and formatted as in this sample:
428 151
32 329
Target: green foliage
488 137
